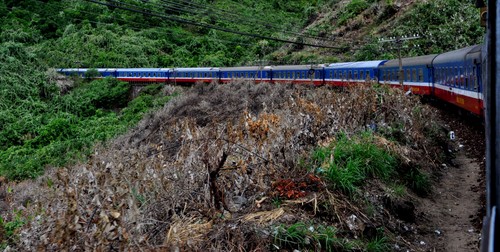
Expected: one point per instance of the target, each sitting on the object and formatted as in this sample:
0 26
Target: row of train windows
295 75
135 74
408 75
277 74
241 75
196 74
349 75
457 77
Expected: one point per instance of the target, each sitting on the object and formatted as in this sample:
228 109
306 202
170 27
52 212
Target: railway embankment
252 167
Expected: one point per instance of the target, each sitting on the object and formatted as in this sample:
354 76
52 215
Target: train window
461 76
449 75
361 74
414 75
474 79
349 75
355 75
408 75
421 75
466 78
456 76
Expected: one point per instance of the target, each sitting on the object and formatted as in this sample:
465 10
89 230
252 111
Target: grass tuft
351 161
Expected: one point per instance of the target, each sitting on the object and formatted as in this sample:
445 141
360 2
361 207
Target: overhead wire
235 17
141 26
138 9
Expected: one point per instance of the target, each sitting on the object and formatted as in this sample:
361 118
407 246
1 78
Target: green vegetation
320 238
348 162
379 244
8 229
304 236
351 10
443 25
46 123
419 182
70 124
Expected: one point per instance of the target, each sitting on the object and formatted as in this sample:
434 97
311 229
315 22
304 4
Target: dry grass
188 177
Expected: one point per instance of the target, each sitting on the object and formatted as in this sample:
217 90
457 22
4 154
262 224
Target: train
454 77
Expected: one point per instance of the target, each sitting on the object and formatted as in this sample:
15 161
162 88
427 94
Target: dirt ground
450 220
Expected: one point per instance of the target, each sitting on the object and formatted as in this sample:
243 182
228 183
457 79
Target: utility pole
398 42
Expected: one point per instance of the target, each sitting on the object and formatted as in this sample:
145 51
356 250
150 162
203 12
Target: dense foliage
442 25
44 122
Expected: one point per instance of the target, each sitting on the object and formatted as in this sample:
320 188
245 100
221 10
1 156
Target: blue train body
453 76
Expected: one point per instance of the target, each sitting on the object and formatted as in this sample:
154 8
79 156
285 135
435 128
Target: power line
123 6
140 26
223 13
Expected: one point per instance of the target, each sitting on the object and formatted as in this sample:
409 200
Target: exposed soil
450 220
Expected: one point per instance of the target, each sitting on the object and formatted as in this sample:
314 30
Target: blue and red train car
452 76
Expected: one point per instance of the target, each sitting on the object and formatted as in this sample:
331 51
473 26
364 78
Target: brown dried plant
188 176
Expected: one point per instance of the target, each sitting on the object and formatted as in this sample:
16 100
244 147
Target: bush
350 161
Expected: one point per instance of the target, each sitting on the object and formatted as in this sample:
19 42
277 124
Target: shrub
350 161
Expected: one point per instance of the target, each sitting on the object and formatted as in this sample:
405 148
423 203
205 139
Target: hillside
234 167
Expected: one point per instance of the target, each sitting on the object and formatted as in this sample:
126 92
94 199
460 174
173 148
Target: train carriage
192 75
342 74
82 72
417 73
255 73
300 74
142 75
458 78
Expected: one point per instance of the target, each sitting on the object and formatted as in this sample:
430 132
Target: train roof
457 55
297 67
360 64
338 64
142 69
86 69
412 61
196 69
242 68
